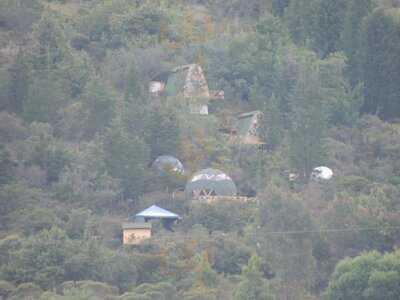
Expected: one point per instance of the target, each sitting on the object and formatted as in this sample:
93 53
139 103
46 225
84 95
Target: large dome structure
210 182
169 164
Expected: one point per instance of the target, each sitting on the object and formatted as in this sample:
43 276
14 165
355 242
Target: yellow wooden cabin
135 233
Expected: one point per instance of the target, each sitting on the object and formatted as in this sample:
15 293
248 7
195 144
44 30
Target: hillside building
135 233
189 82
141 227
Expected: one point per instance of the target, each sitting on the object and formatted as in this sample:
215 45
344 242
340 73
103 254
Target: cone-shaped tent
210 182
155 212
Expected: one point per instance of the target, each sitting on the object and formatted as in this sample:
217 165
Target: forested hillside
80 131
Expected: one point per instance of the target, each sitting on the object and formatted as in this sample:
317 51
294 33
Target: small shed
140 228
209 183
134 233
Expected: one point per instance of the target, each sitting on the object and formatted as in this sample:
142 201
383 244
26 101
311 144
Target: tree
51 46
308 120
252 285
381 65
204 280
162 133
126 157
133 88
330 25
301 17
99 105
352 39
204 275
19 84
19 15
40 259
47 94
7 166
369 276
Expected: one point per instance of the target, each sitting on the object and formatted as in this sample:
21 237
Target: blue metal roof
158 213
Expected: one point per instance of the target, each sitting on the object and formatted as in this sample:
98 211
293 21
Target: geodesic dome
210 182
321 174
169 164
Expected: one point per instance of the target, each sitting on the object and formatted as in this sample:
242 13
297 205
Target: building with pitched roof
189 82
141 227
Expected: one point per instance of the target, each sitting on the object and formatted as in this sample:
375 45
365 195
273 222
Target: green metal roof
143 225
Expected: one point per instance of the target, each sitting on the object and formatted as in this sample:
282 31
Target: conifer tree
330 25
381 65
253 286
352 37
308 121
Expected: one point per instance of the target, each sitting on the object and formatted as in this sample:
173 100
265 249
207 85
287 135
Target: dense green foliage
79 132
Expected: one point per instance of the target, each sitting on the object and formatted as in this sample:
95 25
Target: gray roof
157 213
211 179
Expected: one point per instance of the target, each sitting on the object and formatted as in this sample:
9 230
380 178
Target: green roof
143 225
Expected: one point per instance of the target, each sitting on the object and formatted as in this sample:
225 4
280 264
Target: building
141 227
134 233
209 183
189 82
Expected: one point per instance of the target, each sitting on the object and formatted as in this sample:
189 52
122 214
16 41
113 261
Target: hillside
219 112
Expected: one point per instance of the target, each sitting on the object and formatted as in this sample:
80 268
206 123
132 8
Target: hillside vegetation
79 132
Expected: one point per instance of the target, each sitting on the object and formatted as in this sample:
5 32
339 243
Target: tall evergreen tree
19 84
309 121
330 25
99 106
162 133
253 286
301 17
352 38
382 64
126 157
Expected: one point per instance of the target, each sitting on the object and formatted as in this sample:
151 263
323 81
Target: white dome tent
321 173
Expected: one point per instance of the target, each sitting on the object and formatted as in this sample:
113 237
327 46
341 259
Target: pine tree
126 157
253 286
381 64
301 17
133 90
99 106
352 39
19 84
309 121
330 26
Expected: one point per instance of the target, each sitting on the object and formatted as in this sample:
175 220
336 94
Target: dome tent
210 182
321 174
168 164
